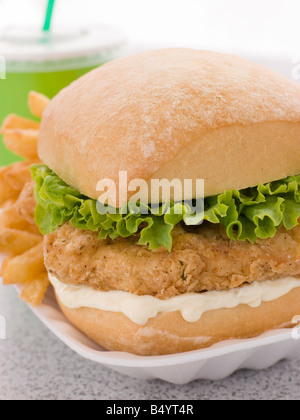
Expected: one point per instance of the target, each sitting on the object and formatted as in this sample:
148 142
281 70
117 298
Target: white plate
214 363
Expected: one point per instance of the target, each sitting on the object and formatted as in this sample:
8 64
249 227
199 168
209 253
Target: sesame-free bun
169 333
174 113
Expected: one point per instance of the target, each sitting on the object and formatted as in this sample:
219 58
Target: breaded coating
201 260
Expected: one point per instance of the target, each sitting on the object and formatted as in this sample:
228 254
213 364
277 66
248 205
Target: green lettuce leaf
248 214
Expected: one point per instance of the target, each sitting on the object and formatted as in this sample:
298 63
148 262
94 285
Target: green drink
46 63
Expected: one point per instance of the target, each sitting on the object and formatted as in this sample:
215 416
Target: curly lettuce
247 215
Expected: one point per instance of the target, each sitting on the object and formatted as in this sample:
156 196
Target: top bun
175 113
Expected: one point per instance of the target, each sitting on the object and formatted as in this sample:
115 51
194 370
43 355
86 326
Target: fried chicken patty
202 260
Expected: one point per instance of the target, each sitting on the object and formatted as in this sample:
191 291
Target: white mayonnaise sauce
191 305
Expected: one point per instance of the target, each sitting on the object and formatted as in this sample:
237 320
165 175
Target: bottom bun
169 333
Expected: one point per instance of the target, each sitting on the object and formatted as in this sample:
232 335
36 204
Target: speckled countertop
35 365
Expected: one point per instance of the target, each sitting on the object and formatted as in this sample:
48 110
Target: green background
14 95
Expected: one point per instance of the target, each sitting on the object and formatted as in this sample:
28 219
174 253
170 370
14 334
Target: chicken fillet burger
154 280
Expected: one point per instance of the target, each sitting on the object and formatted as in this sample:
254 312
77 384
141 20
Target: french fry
22 142
17 175
26 203
6 204
34 291
20 238
12 219
16 242
3 265
12 180
7 192
37 103
14 121
24 267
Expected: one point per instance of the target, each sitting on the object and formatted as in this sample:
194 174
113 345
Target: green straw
48 17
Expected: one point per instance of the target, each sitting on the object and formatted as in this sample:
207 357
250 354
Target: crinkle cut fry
20 238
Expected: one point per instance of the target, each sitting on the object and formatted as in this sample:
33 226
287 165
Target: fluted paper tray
214 363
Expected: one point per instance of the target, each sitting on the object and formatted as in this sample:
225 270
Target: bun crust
169 333
175 113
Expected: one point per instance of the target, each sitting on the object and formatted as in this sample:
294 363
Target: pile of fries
20 239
